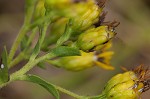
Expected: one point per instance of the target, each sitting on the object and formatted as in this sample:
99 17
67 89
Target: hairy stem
16 43
28 16
17 60
31 64
34 31
22 55
26 68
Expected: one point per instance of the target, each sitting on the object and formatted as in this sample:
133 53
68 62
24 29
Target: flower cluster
74 36
83 23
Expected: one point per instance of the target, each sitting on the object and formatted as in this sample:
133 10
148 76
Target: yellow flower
86 60
83 14
40 9
103 60
57 4
94 38
128 85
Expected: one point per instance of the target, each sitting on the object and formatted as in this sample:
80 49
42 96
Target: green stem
22 55
23 77
39 21
18 59
25 28
16 43
69 92
29 9
101 96
34 31
37 48
31 64
27 67
28 16
58 88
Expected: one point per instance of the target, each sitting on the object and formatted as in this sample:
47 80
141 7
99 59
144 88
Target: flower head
40 9
83 14
128 85
94 38
86 60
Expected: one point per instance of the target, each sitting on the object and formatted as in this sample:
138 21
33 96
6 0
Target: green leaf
49 87
37 47
36 51
4 76
62 51
24 42
66 35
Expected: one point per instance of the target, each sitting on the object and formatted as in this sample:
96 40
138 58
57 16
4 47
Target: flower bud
56 4
83 14
86 60
94 38
128 85
40 9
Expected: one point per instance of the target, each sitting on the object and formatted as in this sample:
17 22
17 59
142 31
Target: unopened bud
40 9
128 85
75 63
56 4
86 60
83 14
94 38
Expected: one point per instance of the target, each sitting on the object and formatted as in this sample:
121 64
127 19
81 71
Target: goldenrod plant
74 36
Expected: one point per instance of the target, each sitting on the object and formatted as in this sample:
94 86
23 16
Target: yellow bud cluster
83 14
81 18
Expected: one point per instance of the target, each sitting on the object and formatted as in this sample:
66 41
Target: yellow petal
105 54
104 66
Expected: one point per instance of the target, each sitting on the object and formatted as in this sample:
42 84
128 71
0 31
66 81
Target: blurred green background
131 46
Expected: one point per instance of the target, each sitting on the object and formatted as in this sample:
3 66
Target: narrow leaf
24 43
35 79
4 77
37 48
62 51
41 65
66 35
